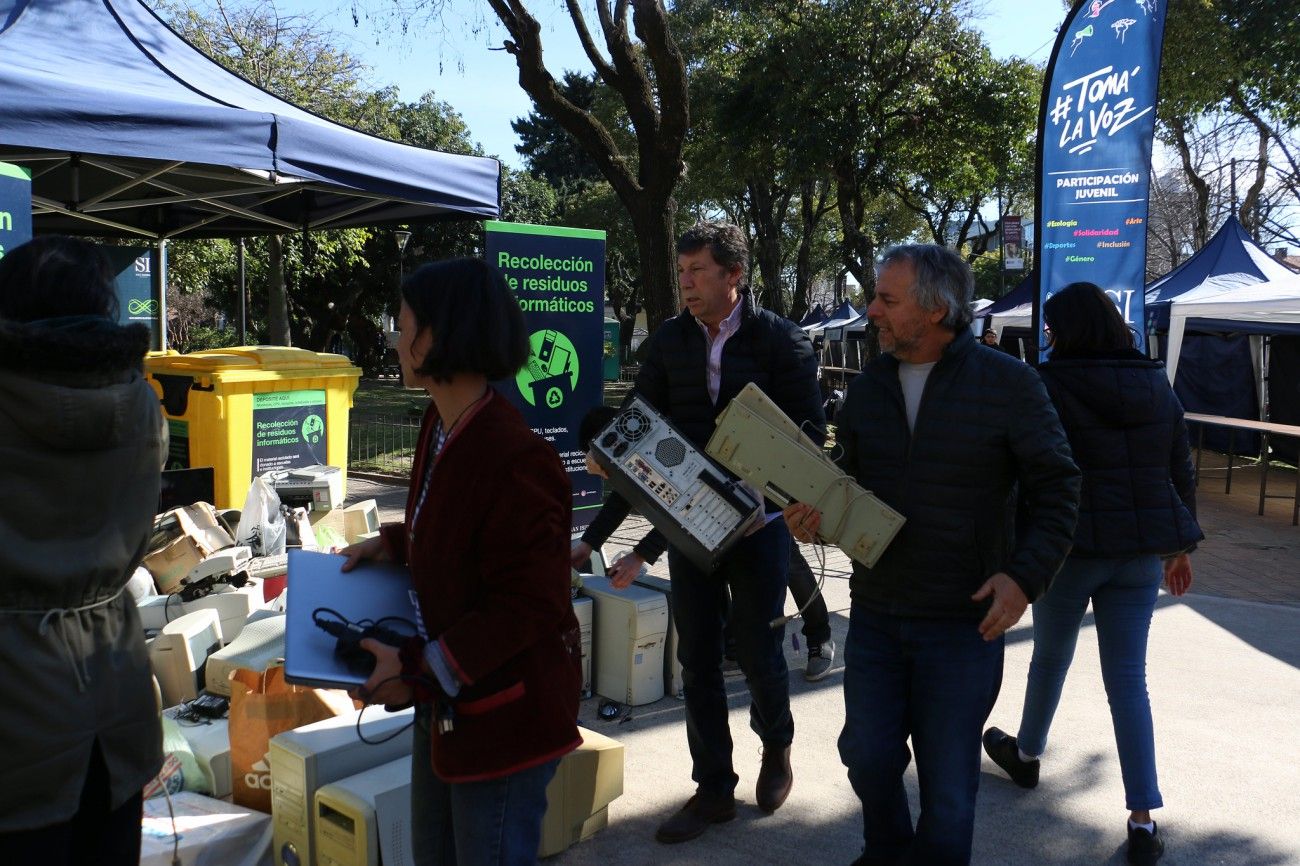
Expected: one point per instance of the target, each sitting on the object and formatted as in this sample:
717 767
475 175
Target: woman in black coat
1137 524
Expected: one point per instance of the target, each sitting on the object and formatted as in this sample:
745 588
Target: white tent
1253 292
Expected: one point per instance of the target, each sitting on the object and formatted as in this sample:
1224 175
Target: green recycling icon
551 373
313 428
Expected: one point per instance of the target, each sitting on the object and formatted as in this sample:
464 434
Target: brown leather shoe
695 817
775 778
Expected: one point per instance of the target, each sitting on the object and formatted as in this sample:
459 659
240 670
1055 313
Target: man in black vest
947 434
695 363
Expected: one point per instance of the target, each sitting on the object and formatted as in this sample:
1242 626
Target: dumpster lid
248 358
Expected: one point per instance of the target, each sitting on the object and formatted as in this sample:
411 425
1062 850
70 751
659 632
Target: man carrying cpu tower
695 364
948 435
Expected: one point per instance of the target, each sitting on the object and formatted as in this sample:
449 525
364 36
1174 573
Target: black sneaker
1144 848
1001 747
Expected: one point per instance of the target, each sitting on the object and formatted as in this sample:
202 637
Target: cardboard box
586 782
169 565
342 526
198 532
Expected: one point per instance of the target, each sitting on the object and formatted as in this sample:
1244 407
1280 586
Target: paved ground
1225 689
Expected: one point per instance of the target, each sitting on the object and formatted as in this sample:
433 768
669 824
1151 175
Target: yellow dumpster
252 409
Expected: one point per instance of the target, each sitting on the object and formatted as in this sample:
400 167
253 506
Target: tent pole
159 272
243 307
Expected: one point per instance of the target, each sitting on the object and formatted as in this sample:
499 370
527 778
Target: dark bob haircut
474 319
1083 318
54 276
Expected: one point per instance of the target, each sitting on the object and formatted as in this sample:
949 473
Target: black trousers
97 834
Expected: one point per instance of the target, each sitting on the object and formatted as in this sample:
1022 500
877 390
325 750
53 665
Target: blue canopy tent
131 131
1213 311
843 314
815 317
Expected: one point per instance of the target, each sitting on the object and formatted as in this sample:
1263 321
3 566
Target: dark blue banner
558 275
1095 128
134 284
15 206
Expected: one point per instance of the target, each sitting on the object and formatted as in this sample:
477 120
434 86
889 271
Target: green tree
1252 74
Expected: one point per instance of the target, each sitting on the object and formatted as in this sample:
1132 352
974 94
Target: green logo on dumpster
313 427
551 373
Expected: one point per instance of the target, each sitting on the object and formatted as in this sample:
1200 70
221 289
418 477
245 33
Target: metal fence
382 444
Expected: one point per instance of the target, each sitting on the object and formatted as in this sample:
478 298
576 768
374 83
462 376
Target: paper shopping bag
261 706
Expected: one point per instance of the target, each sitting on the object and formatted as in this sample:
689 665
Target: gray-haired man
943 431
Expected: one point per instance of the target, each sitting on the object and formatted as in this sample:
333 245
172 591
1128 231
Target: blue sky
454 57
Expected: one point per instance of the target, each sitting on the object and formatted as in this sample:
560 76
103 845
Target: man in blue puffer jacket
948 434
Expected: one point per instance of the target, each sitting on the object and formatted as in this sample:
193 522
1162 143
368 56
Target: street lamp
403 238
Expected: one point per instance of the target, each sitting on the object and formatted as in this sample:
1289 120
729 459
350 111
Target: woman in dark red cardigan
486 536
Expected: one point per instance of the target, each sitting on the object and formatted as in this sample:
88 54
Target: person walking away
1137 525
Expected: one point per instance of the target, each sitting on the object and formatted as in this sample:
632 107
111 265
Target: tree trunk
812 207
766 209
277 297
1201 235
655 226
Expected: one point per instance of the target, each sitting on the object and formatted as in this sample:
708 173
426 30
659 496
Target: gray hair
726 242
943 280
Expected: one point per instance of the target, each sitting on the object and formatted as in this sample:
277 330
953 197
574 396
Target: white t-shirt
911 377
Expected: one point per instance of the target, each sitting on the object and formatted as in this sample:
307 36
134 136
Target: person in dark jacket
82 444
486 537
1137 524
695 363
946 433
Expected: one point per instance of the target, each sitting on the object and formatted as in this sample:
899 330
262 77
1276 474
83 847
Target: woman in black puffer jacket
1137 524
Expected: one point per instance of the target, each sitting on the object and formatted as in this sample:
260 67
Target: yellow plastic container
252 409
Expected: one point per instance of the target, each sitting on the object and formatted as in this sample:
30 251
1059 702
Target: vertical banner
15 206
1095 127
133 269
1013 244
558 275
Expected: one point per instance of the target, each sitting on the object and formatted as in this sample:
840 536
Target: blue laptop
318 590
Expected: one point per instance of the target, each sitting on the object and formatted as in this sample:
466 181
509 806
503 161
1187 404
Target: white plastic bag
261 524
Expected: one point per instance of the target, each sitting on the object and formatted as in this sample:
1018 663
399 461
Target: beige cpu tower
577 800
672 667
630 628
365 820
304 759
582 608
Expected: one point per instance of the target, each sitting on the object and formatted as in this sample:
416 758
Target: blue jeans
932 680
755 571
1123 594
493 823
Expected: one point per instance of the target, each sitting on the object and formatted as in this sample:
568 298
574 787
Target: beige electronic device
757 441
631 628
180 653
365 820
259 645
672 667
304 759
209 740
582 609
233 605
